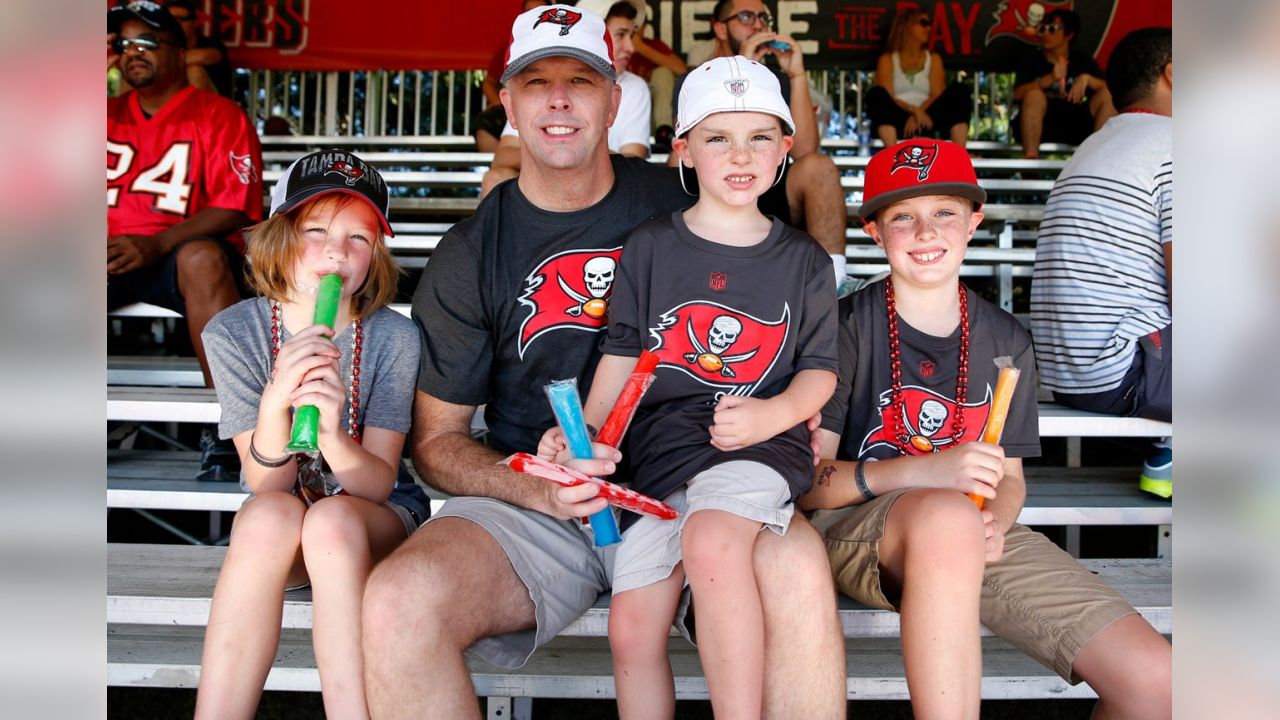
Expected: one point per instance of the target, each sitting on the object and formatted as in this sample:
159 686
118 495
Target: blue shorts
158 284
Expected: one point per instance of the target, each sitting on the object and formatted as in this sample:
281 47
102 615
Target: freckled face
335 235
925 238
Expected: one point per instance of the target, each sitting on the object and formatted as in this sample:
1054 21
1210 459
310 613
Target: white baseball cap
559 31
730 84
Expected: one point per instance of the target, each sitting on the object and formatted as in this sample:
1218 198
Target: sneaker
1157 470
219 461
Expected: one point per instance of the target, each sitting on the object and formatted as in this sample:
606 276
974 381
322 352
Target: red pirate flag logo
929 419
559 16
569 290
1021 18
349 172
915 157
720 346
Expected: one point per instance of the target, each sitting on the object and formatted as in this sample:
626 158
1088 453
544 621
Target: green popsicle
306 419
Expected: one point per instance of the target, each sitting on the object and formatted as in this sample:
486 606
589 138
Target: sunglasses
1046 29
749 17
924 22
123 45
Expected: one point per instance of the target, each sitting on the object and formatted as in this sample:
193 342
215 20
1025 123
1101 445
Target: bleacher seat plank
173 585
151 656
153 370
199 405
161 480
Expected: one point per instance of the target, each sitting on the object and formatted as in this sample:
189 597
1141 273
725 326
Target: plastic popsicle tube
624 408
567 407
619 496
306 420
1005 384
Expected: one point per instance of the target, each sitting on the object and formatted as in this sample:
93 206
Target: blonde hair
901 24
272 251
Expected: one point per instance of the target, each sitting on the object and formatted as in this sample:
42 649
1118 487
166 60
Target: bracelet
796 75
859 479
264 462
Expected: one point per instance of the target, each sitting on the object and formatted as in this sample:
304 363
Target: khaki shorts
1036 597
650 548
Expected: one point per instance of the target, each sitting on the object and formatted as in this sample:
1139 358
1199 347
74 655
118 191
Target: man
1101 289
810 196
505 565
629 133
182 179
1062 93
207 65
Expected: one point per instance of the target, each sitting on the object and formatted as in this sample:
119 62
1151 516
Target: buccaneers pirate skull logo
350 173
915 157
569 290
720 346
559 16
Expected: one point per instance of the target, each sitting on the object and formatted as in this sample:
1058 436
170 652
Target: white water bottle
864 138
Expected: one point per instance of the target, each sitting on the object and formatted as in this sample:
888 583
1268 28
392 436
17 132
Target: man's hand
1079 87
578 501
131 252
814 425
994 548
1060 69
790 61
910 127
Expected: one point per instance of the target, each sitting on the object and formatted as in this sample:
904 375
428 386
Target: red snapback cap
918 167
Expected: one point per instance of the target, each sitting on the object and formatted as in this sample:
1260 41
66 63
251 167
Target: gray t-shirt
238 344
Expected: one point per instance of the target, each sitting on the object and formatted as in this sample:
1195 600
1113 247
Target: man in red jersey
183 177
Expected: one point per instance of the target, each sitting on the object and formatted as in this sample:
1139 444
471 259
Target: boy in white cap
740 310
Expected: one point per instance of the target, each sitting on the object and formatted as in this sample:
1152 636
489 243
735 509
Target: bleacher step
151 656
161 480
173 585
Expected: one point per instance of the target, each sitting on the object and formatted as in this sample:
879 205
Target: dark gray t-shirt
516 296
928 381
722 320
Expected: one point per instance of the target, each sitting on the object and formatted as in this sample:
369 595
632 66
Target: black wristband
264 462
860 479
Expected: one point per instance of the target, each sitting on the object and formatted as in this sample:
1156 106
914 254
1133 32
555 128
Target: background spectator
657 64
493 118
207 65
911 96
182 179
1061 92
1101 288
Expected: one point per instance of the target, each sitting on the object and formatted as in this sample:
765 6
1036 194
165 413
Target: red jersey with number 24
199 151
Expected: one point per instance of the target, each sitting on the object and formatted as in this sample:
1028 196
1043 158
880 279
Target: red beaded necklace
902 439
353 387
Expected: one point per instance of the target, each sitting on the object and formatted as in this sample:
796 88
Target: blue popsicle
567 407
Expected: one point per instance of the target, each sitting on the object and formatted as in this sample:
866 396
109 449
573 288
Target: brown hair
901 24
272 250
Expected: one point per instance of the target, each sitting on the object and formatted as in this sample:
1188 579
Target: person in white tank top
911 96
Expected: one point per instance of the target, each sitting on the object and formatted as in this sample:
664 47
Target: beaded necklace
353 387
903 440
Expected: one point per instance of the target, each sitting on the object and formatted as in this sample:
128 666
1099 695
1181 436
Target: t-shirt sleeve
237 382
625 336
449 308
233 164
837 408
1022 427
632 123
816 348
389 397
1164 200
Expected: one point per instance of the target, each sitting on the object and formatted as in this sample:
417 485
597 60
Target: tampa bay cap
331 171
559 31
916 167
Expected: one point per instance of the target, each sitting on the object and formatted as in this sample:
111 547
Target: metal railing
385 102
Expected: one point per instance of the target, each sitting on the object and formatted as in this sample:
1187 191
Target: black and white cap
559 31
149 13
331 171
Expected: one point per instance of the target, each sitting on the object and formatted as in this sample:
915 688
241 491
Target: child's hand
974 467
994 549
322 386
739 422
299 355
555 448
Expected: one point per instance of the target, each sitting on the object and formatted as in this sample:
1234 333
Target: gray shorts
555 559
651 547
